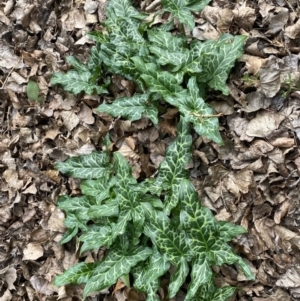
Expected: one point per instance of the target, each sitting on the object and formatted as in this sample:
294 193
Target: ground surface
253 180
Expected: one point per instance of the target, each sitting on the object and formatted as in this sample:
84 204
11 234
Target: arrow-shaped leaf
113 266
158 81
201 273
131 108
92 166
218 57
77 274
196 111
209 292
96 237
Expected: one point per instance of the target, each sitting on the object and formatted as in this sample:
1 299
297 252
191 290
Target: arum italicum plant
150 226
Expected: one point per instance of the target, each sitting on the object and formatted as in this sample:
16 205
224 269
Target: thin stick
12 69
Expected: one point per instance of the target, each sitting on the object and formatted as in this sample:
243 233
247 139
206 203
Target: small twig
290 6
9 73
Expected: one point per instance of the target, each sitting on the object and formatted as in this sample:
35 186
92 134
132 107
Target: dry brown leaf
9 276
70 119
30 190
86 114
264 124
33 251
293 31
253 63
56 221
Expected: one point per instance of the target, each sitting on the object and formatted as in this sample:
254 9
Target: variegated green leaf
92 166
79 205
196 5
124 31
131 108
124 9
199 222
96 237
171 242
158 81
218 57
196 111
209 292
76 82
120 227
228 231
178 277
201 273
71 232
109 209
222 253
179 10
77 274
73 221
172 170
165 40
145 285
80 79
157 266
165 57
118 59
99 189
113 266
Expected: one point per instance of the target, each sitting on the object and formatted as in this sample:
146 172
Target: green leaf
121 225
218 57
131 108
222 253
201 273
92 166
196 111
113 266
74 221
158 81
109 209
196 5
165 40
129 200
228 231
96 237
157 266
99 189
33 90
178 8
77 274
118 59
71 232
124 9
80 79
209 292
199 222
75 204
76 82
172 170
178 277
181 9
171 242
143 284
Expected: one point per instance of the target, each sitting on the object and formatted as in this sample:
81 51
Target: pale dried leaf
33 251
